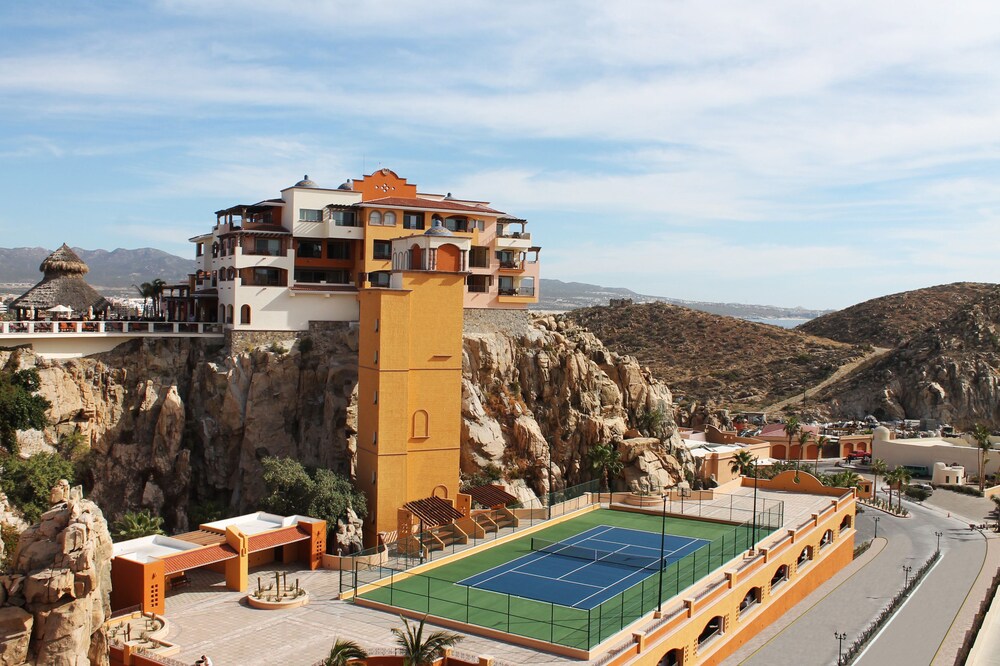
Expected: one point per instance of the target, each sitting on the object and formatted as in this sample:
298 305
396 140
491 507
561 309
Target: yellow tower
410 378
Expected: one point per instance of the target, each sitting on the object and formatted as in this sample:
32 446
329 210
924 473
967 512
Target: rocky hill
118 268
175 424
711 358
949 372
889 320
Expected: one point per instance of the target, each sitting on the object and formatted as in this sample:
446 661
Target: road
915 633
840 373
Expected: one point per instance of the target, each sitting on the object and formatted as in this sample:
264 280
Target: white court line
506 565
570 582
589 562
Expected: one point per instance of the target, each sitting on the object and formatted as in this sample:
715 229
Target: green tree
743 462
650 422
146 291
316 492
420 650
344 651
155 292
28 482
879 468
604 458
21 407
982 436
820 443
135 524
903 477
803 440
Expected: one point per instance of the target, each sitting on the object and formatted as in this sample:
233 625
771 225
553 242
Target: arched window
673 658
229 314
778 451
416 258
712 629
245 314
780 576
215 249
827 539
845 524
222 275
421 424
375 218
389 219
805 557
232 273
752 597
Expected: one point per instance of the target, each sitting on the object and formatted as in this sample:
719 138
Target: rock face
57 591
949 372
177 425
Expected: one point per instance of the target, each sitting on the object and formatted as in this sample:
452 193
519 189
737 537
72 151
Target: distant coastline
783 322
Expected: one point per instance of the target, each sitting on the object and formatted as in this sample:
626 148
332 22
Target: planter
264 604
635 499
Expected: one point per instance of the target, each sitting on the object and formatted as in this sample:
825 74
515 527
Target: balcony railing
112 327
479 288
523 235
510 263
521 291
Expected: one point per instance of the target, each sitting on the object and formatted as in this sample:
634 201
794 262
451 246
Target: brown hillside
949 372
889 320
708 357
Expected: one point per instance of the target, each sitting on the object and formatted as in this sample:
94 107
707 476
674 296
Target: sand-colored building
921 454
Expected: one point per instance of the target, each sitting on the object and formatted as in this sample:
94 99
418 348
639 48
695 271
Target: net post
467 588
590 627
392 586
508 613
552 623
428 595
621 623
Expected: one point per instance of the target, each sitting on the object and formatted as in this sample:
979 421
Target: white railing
112 327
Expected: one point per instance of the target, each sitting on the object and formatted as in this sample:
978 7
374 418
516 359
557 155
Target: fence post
622 622
428 595
392 585
467 588
590 637
552 623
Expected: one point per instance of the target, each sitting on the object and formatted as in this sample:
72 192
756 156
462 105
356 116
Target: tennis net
594 555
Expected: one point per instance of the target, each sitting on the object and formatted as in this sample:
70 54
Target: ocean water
783 322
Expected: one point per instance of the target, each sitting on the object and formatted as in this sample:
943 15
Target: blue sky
788 153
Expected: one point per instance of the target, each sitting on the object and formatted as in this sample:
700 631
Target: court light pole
753 546
876 519
663 539
906 573
939 535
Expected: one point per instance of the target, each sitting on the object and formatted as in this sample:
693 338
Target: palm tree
605 458
996 509
146 291
903 477
743 463
343 652
418 650
155 292
135 524
803 439
982 436
879 468
792 428
820 443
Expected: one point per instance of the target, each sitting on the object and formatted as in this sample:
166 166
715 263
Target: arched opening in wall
389 219
847 522
861 446
805 557
245 314
421 424
751 599
780 576
232 273
215 278
440 491
229 314
795 452
375 218
416 258
222 314
449 258
215 249
713 629
827 539
811 452
674 657
779 451
845 449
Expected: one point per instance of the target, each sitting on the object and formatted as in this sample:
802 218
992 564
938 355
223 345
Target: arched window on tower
245 314
421 424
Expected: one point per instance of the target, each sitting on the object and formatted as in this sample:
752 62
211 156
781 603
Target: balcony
519 291
516 240
511 265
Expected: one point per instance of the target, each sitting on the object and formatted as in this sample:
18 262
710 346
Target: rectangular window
199 249
270 277
338 249
310 215
379 278
456 223
317 276
343 218
382 250
479 257
309 249
413 220
479 284
270 247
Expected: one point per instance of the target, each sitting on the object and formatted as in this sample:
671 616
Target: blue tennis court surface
594 566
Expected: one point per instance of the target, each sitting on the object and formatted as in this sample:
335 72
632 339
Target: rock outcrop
56 594
950 372
176 425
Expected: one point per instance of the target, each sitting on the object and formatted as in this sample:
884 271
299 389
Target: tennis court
587 569
445 591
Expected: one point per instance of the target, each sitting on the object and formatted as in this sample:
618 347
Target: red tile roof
275 538
199 557
427 204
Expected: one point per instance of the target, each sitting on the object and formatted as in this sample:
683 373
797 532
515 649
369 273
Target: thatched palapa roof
63 284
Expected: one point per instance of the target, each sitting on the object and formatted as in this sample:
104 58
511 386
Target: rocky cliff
176 425
950 372
54 599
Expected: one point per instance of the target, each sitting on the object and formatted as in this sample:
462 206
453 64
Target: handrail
109 326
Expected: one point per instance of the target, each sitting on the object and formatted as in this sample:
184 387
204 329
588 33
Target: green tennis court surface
438 593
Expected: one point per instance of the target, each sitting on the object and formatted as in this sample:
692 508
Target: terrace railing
112 327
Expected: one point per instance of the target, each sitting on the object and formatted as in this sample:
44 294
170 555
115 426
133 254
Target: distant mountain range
119 269
559 295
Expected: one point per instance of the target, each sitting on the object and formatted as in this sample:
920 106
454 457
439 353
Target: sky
790 153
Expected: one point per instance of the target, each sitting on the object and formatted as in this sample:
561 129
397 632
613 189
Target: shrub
918 494
136 524
317 492
28 483
10 537
965 490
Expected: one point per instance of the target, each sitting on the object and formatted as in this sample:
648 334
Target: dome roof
881 434
347 185
438 229
305 182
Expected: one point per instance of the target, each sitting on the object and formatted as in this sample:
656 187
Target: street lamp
753 546
663 539
876 519
906 573
840 636
939 535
